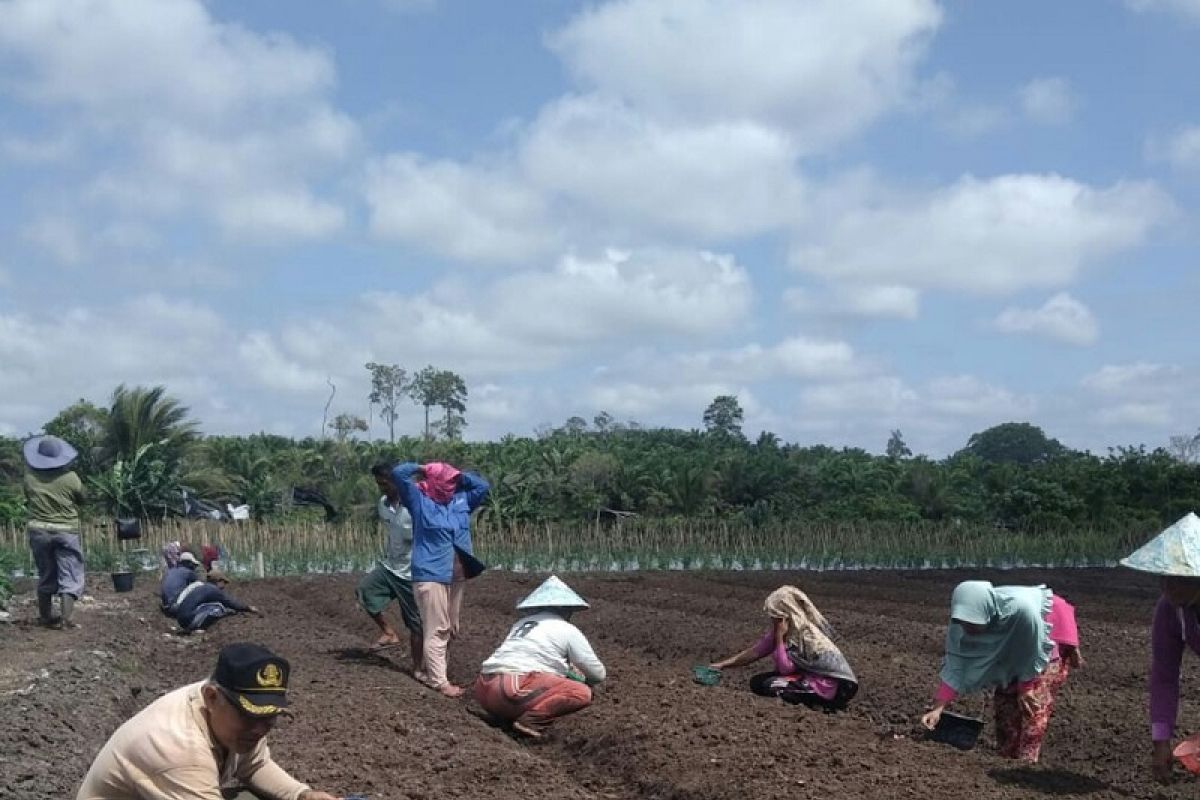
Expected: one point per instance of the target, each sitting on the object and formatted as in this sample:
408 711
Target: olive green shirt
53 497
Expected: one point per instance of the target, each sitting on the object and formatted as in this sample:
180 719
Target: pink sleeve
783 662
945 695
1063 631
765 645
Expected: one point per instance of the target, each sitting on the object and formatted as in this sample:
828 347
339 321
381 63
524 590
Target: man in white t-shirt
531 680
391 579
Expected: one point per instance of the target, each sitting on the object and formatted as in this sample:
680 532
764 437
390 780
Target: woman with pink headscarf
440 499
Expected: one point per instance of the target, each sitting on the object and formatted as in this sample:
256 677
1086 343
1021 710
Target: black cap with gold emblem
253 678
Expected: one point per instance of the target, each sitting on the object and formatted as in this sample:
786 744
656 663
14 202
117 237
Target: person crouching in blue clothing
440 499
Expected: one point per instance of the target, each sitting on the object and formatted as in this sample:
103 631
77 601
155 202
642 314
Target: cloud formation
984 236
1062 318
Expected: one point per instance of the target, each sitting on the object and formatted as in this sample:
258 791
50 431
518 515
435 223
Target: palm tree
142 416
146 439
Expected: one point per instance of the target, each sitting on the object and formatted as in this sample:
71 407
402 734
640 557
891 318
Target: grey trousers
59 560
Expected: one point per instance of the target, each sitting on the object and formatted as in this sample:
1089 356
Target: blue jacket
175 581
439 530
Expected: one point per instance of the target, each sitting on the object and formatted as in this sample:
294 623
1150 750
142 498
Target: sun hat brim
37 460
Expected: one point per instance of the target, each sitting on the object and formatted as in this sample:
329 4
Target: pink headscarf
440 482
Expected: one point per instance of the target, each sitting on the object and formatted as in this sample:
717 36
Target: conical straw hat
1175 551
553 593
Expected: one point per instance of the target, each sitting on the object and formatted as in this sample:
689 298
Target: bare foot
421 676
450 690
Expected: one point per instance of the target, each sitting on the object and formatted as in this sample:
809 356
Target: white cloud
1146 415
51 361
467 213
969 396
986 236
709 180
190 113
151 58
624 294
1136 378
1143 399
1050 101
37 151
822 70
267 364
1181 149
581 308
972 120
641 401
796 357
883 394
59 236
1062 318
1186 8
899 302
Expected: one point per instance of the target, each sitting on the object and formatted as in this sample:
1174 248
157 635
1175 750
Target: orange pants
535 698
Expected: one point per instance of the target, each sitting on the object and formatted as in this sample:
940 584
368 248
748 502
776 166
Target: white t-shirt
544 642
397 558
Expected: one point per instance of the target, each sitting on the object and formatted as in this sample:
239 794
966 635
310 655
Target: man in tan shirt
204 741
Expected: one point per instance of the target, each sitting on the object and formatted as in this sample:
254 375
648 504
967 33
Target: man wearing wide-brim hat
205 741
53 494
530 680
1173 555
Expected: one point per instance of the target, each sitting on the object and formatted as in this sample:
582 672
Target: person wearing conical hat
809 668
1173 555
53 495
530 680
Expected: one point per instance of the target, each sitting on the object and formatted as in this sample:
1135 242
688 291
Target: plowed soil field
363 724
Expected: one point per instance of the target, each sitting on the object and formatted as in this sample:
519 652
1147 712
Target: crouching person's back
530 680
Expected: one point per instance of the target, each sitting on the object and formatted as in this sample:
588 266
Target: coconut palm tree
146 438
142 416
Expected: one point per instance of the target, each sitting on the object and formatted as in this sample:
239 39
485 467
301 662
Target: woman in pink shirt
809 667
1020 640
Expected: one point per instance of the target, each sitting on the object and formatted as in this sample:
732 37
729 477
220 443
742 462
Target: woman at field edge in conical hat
1173 555
809 667
530 680
1020 640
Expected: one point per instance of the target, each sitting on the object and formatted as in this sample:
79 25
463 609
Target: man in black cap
205 741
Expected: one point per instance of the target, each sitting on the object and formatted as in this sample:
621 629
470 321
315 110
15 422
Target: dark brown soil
362 724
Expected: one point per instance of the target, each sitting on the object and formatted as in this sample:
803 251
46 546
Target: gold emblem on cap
254 708
270 677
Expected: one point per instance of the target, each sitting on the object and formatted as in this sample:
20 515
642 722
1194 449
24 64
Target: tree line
143 450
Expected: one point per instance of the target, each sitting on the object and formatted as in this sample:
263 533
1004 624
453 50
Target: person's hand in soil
931 717
253 610
312 794
1162 761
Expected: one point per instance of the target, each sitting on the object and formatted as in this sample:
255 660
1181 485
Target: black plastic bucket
122 581
957 731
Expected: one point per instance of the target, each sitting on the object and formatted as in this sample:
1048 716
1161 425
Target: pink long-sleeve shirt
1174 630
825 686
1063 632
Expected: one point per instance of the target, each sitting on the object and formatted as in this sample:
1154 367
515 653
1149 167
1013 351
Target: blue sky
856 215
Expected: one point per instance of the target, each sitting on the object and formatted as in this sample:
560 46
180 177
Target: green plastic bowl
706 676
